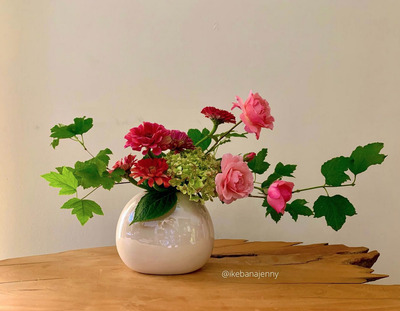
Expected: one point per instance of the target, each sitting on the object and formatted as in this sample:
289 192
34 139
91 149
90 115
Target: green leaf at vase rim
155 204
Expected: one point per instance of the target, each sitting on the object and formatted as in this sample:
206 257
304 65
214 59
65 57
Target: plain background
330 70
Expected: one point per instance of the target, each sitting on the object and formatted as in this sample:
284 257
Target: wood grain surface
240 275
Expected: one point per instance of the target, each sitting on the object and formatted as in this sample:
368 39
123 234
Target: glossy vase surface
179 242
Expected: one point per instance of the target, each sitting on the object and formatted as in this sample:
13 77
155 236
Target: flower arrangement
173 161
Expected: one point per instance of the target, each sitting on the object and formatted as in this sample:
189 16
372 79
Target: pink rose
235 181
256 113
279 193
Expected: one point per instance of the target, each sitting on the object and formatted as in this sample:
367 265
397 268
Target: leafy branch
336 208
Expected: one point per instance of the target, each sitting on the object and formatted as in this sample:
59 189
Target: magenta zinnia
218 115
152 170
180 141
150 136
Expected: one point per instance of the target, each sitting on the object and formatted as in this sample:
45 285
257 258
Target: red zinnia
218 115
152 170
180 141
125 163
151 136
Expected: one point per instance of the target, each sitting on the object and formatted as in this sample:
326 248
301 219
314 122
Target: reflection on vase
179 242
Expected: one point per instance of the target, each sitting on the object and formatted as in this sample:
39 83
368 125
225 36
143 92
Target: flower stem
222 136
259 188
214 129
257 196
90 193
151 154
82 144
132 181
324 187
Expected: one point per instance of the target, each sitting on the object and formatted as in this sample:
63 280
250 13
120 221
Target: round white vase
179 242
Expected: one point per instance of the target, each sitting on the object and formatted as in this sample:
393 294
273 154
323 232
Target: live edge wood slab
240 275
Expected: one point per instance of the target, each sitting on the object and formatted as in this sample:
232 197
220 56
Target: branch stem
222 136
324 187
82 143
90 193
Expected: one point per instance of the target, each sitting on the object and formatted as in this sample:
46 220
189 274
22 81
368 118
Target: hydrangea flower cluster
193 173
174 161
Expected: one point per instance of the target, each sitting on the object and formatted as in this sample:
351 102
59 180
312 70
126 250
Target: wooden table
240 275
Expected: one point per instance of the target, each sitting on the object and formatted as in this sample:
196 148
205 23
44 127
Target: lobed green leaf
363 157
196 136
61 131
298 207
280 171
93 172
285 170
334 209
83 209
64 179
258 165
103 155
334 171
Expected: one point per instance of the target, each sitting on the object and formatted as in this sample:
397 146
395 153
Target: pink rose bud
235 181
256 113
279 193
249 156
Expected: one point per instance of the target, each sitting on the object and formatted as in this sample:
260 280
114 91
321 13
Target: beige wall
330 70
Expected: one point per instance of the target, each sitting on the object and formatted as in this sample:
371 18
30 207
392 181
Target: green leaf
196 136
285 170
64 180
154 204
81 125
93 173
103 155
61 131
334 171
279 172
55 142
334 209
363 157
83 209
258 165
298 207
117 174
273 213
60 169
271 178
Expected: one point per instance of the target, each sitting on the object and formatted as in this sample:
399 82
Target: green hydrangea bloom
193 173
